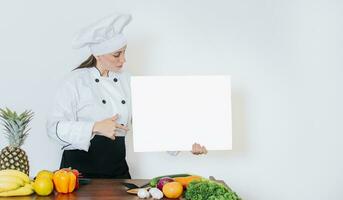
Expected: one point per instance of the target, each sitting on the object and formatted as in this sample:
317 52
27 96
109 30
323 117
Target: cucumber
155 180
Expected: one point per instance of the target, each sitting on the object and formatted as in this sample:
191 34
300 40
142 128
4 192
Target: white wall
285 58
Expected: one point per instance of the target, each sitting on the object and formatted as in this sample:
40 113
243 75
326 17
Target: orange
43 186
172 189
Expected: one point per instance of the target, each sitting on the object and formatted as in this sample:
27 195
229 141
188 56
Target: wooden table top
105 189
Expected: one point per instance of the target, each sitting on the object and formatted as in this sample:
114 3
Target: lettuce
209 190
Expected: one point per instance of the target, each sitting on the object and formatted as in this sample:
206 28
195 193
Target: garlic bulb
156 193
143 193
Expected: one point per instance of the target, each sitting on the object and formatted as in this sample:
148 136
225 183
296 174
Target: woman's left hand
197 149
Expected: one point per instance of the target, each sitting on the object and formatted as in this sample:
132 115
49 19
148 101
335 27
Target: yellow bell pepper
64 181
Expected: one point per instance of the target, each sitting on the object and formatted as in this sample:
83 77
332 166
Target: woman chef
91 111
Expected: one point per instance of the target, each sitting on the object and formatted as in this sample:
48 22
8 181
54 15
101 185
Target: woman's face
112 61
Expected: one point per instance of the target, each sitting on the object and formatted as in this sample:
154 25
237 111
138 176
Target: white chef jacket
84 98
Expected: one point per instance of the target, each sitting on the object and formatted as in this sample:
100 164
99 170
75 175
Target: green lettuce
209 190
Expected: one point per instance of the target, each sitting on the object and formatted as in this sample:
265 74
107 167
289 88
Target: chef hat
104 36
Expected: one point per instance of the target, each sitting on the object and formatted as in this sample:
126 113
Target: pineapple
15 127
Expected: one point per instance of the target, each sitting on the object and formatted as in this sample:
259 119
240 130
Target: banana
22 191
11 172
7 186
12 179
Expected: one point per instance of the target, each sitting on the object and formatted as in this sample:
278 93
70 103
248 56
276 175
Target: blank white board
170 113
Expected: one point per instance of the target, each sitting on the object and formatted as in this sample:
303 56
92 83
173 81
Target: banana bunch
14 183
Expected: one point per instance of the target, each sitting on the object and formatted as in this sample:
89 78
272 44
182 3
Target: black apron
105 159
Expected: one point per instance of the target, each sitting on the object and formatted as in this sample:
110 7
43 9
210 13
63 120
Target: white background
285 59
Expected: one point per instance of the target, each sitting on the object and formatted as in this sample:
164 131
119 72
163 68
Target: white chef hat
104 36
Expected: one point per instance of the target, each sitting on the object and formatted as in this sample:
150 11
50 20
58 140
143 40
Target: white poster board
170 113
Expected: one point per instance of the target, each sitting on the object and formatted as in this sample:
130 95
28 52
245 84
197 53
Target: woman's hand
108 127
197 149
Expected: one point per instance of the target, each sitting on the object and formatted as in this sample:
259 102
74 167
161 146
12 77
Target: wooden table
104 189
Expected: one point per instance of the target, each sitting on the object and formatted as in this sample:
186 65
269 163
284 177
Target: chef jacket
84 98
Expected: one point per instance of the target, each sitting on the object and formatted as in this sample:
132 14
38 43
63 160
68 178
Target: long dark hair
88 63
